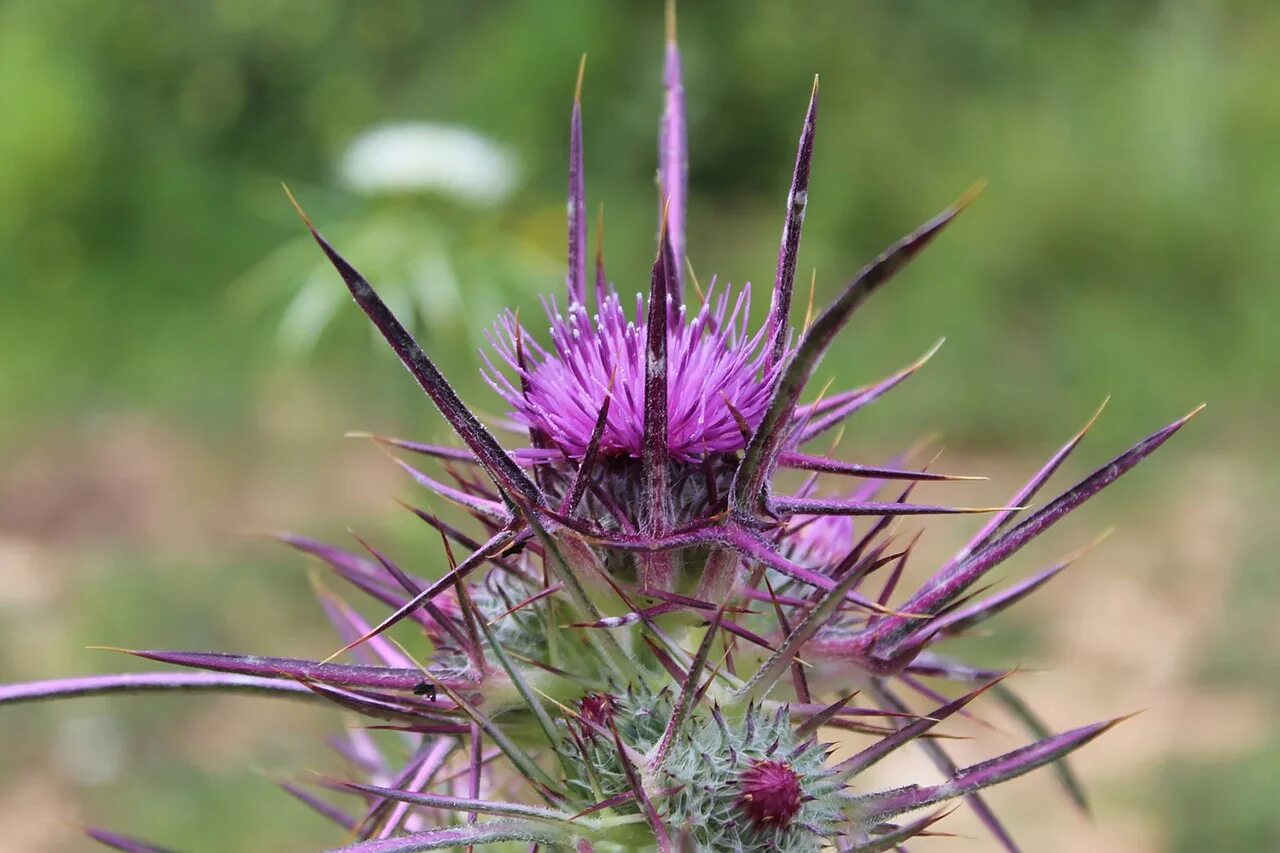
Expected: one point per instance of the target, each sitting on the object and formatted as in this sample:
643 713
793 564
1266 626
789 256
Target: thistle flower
615 663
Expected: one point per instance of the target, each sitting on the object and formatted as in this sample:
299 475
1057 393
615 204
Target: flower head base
620 650
770 793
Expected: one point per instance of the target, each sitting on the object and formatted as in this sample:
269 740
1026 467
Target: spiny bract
617 662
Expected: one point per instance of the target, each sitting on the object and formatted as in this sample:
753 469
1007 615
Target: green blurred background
154 417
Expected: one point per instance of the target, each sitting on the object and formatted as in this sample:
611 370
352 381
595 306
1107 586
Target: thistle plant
647 643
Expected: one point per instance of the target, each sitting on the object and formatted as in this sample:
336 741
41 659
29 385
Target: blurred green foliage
1125 244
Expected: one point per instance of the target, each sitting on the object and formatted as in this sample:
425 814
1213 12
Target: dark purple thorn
537 438
778 328
600 283
654 520
474 649
688 692
417 775
932 695
833 412
741 422
349 675
751 545
1029 490
357 571
435 451
538 778
797 671
614 509
822 717
439 729
146 682
489 832
673 669
633 780
943 762
932 665
824 465
319 806
747 496
1037 728
895 835
459 804
769 672
380 706
466 567
411 586
891 582
473 778
673 157
123 842
504 471
836 506
624 797
694 603
978 612
701 694
855 554
987 773
467 542
576 278
349 625
718 716
531 699
953 580
536 597
582 476
788 600
746 634
482 507
860 761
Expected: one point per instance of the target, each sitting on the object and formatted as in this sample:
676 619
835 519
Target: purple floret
716 377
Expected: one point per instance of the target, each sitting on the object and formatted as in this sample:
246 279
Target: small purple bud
596 710
770 793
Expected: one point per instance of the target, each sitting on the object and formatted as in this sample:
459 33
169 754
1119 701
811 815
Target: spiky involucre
643 640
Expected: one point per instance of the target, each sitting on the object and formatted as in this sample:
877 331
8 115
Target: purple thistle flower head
718 384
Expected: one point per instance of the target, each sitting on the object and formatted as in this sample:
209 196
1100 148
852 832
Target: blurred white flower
422 157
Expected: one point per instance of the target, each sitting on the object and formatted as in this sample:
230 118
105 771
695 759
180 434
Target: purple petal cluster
717 382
